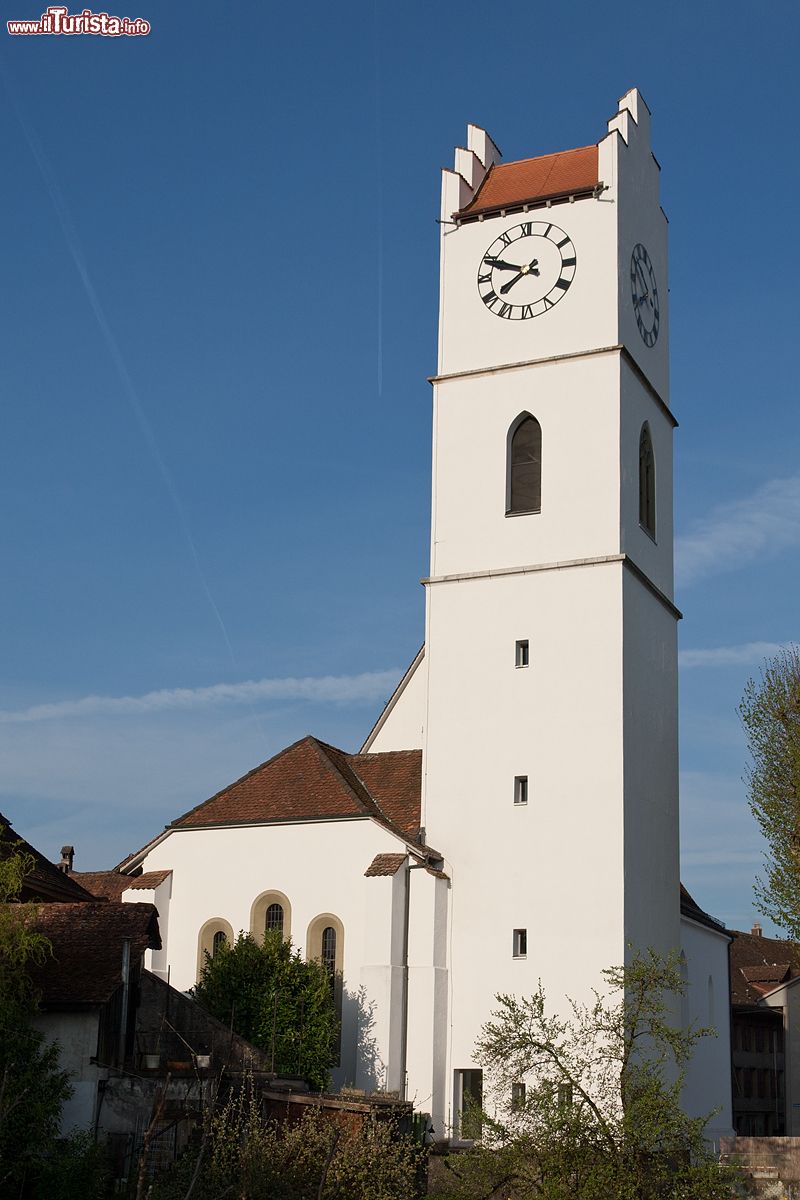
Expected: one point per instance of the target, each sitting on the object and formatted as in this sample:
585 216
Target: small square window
520 789
518 1095
520 943
522 657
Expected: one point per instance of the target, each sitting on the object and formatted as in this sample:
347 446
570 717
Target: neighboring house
513 815
154 887
45 882
89 993
765 1006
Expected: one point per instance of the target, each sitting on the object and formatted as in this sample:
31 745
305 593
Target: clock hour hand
500 265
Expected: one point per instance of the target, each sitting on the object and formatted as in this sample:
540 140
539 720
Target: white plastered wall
708 1075
320 867
76 1034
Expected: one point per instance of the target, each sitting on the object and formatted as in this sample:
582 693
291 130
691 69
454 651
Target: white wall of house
787 997
76 1034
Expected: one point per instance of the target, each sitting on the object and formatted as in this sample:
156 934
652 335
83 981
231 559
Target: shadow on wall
366 1069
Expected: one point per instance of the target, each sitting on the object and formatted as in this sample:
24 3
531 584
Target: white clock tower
547 697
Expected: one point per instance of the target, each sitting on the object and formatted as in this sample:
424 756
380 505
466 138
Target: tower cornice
619 349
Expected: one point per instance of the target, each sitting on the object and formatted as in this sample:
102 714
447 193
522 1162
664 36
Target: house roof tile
87 940
313 781
508 185
46 882
385 864
759 964
111 884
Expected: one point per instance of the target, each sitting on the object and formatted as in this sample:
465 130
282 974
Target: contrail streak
128 387
325 689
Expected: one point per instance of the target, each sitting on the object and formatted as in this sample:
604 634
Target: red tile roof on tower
508 185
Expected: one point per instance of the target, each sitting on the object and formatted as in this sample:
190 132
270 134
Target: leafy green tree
600 1114
32 1088
770 712
276 1000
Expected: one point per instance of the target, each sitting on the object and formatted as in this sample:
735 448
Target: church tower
550 729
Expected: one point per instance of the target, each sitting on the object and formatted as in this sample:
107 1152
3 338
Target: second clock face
527 270
644 294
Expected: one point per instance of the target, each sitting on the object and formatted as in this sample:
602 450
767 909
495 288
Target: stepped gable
312 781
110 885
534 180
45 883
87 940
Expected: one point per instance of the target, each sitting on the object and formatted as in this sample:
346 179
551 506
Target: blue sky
219 313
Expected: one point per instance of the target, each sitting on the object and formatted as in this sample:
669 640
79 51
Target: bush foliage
247 1157
277 1001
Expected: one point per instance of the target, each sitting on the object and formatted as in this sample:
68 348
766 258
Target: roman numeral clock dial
526 270
644 294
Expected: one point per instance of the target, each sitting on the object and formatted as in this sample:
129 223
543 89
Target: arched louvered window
219 941
328 954
647 482
524 487
273 922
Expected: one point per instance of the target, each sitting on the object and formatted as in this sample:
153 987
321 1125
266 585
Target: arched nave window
524 471
211 937
325 942
271 913
647 482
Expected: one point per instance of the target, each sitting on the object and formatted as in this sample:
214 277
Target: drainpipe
126 987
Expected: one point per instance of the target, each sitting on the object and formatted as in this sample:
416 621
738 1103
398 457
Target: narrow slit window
520 789
520 943
523 653
518 1095
647 482
525 467
219 941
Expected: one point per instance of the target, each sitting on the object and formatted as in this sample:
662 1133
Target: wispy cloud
370 686
766 522
748 654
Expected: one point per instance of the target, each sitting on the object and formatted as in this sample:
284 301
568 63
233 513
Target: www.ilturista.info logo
59 20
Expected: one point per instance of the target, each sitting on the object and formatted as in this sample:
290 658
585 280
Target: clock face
645 294
526 270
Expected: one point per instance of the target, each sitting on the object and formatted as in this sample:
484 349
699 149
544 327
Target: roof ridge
308 737
535 157
367 800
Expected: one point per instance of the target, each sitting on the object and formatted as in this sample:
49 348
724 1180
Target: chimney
67 855
756 931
